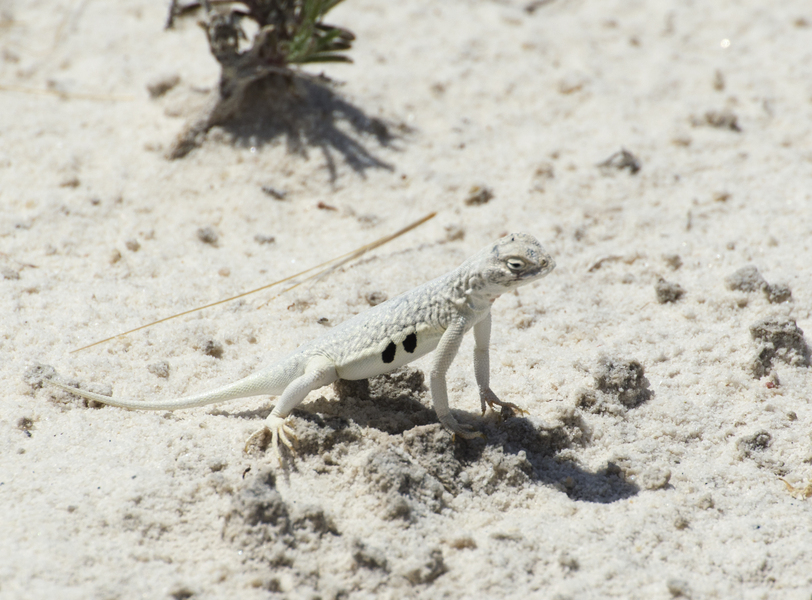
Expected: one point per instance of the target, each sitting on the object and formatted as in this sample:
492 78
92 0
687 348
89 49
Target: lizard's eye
515 264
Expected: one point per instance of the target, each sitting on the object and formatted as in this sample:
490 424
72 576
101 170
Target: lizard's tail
270 381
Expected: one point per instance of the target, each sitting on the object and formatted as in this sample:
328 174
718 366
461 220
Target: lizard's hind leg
320 371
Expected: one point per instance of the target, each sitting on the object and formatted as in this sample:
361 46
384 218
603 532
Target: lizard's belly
387 355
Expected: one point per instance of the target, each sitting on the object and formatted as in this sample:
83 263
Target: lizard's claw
468 435
488 398
284 432
464 431
278 429
254 438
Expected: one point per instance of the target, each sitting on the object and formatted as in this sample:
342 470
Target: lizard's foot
488 398
278 428
456 429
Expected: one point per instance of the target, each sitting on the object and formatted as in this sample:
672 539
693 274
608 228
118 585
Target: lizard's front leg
482 367
320 371
443 357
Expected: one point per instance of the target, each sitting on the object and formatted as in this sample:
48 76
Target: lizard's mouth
529 274
534 274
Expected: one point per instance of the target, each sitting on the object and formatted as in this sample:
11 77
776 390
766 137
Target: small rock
70 182
668 292
746 279
159 369
274 192
625 379
264 239
132 245
779 338
722 119
586 399
673 260
778 293
213 348
757 442
678 588
35 376
25 424
217 464
207 235
182 593
105 389
478 195
162 84
622 159
375 298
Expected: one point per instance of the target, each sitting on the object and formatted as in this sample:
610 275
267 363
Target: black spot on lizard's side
410 343
388 355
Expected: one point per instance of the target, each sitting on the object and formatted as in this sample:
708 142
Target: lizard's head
514 260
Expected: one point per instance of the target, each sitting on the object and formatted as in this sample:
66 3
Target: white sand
106 503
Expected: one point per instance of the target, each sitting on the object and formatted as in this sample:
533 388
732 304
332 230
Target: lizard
431 317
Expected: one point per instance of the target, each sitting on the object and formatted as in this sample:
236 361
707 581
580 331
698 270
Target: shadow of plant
261 97
308 114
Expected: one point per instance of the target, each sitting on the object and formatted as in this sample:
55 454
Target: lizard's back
390 334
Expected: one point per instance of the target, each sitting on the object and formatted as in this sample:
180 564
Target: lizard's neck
472 290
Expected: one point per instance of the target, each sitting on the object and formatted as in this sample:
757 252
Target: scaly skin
432 316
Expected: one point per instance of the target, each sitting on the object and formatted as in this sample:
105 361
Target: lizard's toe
468 435
287 436
256 438
280 430
465 431
494 401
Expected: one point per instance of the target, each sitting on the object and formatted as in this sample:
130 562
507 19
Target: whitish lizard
432 316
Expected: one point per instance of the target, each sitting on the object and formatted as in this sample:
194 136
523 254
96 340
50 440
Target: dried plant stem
322 270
